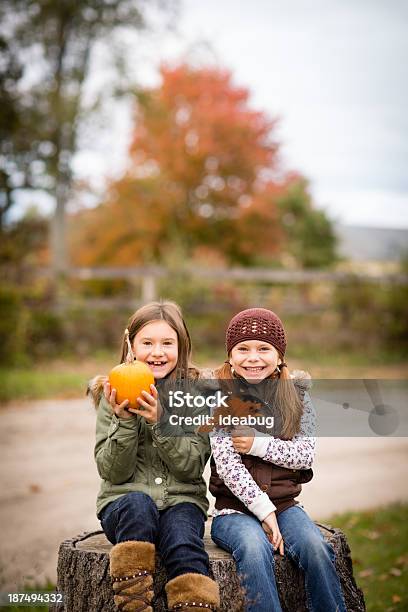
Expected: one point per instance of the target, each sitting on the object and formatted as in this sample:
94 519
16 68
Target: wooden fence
146 278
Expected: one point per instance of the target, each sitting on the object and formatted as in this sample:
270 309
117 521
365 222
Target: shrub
14 317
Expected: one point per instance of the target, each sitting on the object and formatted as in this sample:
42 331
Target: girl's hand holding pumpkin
242 439
151 409
121 410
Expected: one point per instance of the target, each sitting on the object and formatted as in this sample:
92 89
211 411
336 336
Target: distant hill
371 243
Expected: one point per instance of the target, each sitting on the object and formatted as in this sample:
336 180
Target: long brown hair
286 400
171 313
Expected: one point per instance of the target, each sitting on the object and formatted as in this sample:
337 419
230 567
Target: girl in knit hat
255 479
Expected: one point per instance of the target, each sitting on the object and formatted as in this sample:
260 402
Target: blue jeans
177 531
243 536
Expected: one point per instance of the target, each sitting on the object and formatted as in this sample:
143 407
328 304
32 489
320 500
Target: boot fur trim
127 558
193 589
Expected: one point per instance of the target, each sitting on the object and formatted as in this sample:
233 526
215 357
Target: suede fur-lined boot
131 567
192 592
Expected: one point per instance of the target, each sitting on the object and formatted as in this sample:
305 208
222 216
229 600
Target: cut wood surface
84 580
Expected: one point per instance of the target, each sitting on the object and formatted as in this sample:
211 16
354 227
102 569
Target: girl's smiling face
156 344
254 359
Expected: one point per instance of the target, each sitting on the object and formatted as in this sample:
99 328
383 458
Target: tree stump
84 580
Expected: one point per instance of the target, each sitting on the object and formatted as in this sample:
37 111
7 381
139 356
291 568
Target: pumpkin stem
130 355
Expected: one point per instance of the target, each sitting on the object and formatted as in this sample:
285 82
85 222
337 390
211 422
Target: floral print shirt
297 453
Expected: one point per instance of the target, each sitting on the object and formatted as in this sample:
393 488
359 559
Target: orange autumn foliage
203 173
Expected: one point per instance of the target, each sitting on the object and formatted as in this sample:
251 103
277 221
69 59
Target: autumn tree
203 179
195 164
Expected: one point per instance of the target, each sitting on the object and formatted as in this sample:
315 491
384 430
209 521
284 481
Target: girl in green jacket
153 495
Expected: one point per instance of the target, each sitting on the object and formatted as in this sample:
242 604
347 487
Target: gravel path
49 482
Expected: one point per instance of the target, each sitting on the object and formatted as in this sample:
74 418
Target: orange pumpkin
129 380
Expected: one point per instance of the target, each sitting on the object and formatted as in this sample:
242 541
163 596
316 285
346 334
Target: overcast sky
334 71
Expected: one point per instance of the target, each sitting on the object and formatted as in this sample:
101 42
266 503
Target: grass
21 384
379 548
378 540
63 378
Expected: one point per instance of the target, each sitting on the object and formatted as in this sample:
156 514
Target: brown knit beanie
256 324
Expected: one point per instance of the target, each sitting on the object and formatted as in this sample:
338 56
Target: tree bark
84 580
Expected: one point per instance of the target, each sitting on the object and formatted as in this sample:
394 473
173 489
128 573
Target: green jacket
132 455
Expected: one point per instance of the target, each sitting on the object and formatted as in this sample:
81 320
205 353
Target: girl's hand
151 409
242 439
271 528
121 410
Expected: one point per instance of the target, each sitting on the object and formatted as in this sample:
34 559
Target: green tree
14 146
23 245
46 48
310 238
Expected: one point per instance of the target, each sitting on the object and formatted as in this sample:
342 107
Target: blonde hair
171 313
286 399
